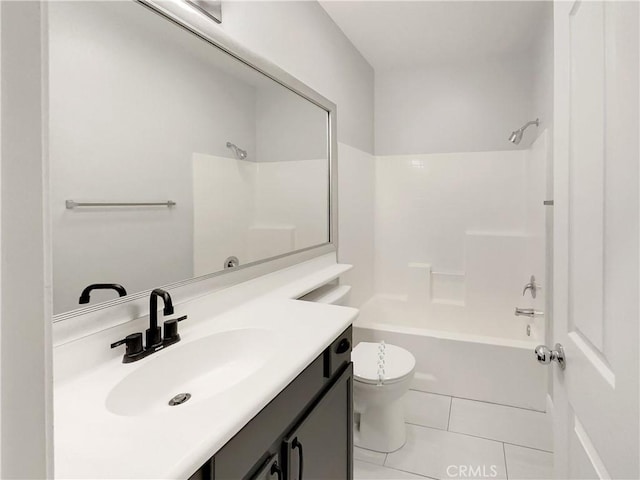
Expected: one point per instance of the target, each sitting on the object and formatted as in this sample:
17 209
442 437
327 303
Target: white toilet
378 388
382 375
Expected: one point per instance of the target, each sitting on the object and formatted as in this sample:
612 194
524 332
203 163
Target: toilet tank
331 293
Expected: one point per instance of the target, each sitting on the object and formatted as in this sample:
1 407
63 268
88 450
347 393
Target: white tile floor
456 438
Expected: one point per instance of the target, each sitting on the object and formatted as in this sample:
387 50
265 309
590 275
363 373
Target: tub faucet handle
533 286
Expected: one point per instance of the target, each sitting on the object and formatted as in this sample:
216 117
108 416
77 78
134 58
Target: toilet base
382 429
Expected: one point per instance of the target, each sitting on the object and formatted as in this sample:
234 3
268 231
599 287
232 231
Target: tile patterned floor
457 438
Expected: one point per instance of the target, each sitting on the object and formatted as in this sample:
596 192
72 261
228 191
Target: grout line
412 473
451 397
426 426
482 438
502 441
501 405
530 448
384 465
370 462
463 434
430 393
482 401
506 469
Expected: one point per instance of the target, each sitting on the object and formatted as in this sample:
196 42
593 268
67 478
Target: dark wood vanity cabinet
305 433
320 446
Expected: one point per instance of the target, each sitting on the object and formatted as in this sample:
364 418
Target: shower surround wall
459 218
457 237
452 238
256 210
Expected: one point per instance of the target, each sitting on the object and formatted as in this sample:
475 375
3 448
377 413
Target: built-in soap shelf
491 264
428 286
448 288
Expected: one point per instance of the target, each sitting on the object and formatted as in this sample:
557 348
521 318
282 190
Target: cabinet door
320 447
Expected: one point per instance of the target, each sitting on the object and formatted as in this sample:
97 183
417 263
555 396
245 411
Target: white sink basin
202 368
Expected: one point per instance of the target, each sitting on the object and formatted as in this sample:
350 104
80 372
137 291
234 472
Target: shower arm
535 122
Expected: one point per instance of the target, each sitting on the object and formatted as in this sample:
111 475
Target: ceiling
400 34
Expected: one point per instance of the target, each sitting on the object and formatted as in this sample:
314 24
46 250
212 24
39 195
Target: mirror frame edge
190 19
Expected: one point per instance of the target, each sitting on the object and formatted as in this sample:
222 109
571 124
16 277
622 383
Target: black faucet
154 332
154 339
85 296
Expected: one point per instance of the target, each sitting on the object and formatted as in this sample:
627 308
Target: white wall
301 38
25 330
288 127
356 187
453 108
542 61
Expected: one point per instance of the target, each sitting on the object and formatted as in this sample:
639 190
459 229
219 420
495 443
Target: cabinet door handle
297 444
343 346
275 468
268 469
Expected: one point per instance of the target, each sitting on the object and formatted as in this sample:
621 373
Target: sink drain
179 399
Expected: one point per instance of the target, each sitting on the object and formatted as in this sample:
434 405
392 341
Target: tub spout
528 312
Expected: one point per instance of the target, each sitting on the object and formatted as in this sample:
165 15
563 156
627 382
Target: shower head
516 135
241 154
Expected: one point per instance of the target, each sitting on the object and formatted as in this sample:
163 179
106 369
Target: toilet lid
398 363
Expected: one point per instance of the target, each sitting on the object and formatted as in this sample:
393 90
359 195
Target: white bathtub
498 369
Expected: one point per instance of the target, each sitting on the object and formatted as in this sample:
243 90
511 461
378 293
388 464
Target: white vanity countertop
91 441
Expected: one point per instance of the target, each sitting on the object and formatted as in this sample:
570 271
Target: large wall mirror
143 111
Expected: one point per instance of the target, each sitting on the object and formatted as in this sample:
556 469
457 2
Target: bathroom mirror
172 157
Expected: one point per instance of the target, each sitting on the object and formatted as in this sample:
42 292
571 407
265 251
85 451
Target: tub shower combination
488 227
448 362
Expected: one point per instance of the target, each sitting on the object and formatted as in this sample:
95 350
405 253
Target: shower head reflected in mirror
516 135
240 153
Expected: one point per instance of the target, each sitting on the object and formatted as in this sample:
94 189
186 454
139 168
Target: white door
596 243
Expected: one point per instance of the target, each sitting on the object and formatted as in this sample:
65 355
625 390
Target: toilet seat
399 363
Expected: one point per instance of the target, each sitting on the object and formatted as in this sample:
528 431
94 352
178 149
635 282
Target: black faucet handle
133 343
171 328
154 337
